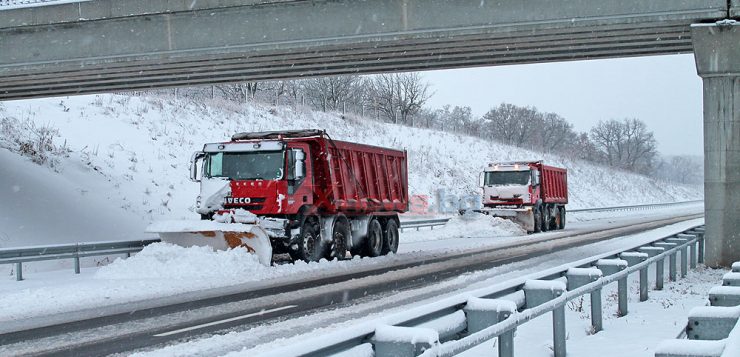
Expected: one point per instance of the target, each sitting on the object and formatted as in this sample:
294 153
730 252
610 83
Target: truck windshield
254 165
503 178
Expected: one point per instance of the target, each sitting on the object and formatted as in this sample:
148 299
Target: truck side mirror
300 164
535 178
480 180
195 161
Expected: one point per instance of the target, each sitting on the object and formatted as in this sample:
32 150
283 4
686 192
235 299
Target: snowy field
127 163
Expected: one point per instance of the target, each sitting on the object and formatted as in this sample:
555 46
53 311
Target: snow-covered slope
129 161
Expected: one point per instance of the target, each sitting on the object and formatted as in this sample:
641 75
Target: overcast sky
663 91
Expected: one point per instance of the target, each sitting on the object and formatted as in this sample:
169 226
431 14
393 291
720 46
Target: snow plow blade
522 216
219 236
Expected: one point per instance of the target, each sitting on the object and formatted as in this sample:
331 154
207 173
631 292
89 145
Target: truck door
300 176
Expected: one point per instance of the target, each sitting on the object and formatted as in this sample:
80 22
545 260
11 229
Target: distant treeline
401 98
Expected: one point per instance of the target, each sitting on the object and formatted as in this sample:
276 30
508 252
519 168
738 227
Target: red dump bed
554 182
364 178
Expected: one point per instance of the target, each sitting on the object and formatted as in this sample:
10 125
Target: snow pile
469 225
172 262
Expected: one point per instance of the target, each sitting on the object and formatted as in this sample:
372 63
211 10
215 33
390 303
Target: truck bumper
523 216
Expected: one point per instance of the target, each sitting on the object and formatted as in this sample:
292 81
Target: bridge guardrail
458 323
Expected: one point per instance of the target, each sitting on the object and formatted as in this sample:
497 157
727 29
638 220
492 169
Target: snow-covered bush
34 141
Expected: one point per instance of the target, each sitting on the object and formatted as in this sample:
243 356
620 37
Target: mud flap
219 236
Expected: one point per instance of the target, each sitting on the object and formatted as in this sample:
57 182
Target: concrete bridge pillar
717 54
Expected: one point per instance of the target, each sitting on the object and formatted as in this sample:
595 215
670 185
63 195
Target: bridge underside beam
718 63
122 50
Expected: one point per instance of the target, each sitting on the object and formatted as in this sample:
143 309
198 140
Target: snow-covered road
162 271
668 308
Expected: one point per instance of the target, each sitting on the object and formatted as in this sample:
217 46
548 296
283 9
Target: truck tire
390 237
562 218
373 245
340 232
537 217
309 247
545 213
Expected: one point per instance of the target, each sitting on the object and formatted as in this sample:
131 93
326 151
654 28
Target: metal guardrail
461 322
18 256
634 207
442 221
711 331
423 223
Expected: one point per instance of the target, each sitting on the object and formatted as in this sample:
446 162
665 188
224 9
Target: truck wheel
340 233
373 246
309 247
390 238
545 226
562 218
537 217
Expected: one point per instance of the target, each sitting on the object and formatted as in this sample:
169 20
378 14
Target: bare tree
556 133
399 96
513 125
331 93
626 144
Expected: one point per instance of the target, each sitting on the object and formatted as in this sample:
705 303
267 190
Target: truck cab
265 177
510 185
528 192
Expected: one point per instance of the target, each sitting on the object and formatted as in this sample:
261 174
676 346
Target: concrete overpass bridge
108 45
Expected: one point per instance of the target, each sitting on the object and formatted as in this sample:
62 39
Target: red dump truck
296 192
530 193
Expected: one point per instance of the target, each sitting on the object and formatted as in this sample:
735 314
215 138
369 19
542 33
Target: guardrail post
538 292
597 320
691 248
77 259
634 258
18 271
671 258
558 331
684 253
613 266
578 277
672 265
659 268
699 233
483 313
659 272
